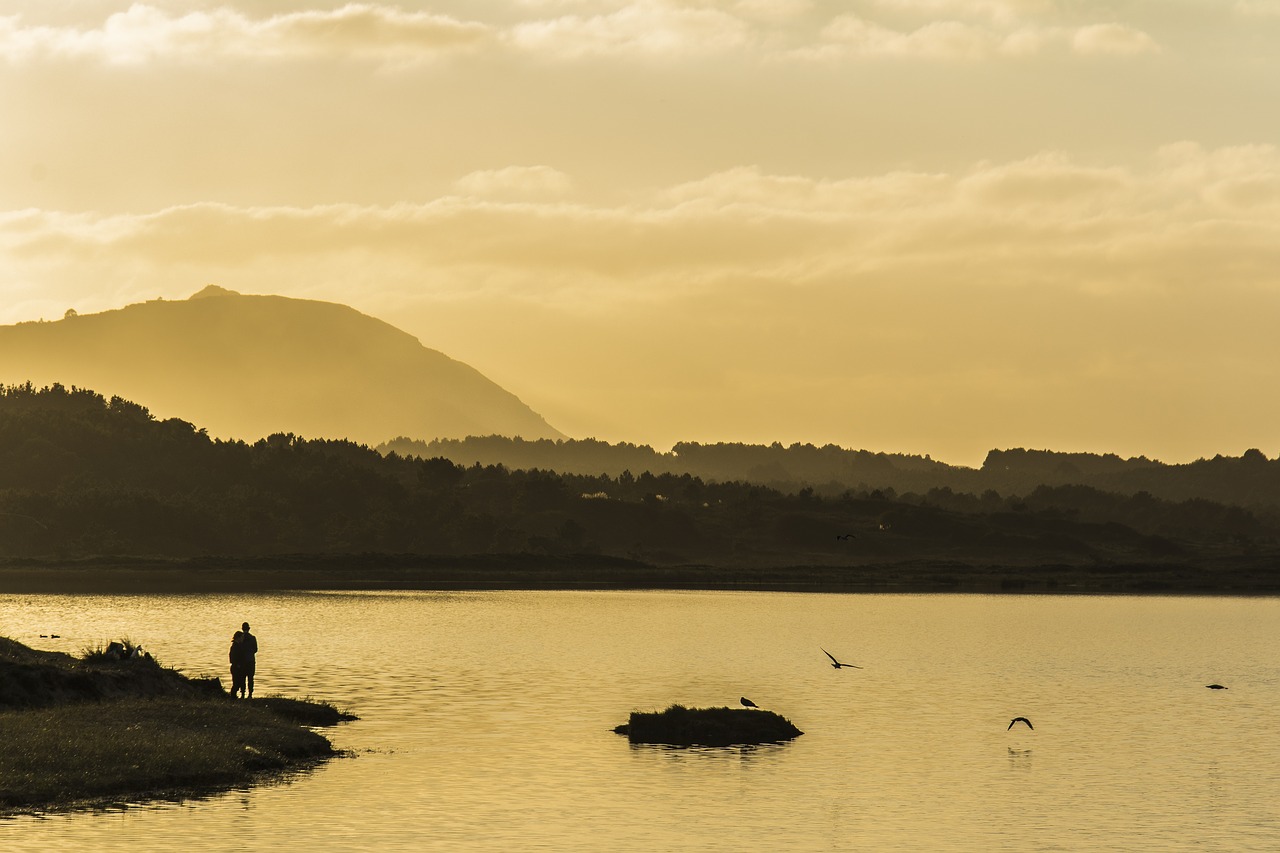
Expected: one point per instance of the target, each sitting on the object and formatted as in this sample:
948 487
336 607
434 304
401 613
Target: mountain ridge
246 366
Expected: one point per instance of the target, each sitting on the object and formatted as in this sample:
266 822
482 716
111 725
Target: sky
921 226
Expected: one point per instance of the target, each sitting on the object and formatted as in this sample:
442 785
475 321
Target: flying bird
835 664
747 703
846 536
1216 686
1021 720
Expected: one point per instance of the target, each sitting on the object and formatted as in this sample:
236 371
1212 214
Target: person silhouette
237 657
250 657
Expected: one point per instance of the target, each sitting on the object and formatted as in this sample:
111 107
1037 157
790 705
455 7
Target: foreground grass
76 731
144 747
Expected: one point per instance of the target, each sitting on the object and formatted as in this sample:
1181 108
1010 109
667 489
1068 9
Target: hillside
248 366
1250 480
85 481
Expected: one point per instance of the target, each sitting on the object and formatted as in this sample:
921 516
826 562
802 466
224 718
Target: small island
105 728
681 726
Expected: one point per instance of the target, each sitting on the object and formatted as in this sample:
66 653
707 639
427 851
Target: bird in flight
1021 720
747 703
1216 686
846 536
835 664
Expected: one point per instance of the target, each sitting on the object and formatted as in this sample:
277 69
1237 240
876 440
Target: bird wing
836 662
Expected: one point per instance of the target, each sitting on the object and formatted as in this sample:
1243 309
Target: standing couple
244 660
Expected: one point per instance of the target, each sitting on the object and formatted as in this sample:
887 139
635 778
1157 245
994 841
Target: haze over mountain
246 366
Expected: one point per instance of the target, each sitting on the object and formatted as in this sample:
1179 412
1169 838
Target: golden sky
932 226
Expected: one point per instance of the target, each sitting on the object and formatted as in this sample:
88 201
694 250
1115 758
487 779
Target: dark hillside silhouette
83 476
248 366
1248 481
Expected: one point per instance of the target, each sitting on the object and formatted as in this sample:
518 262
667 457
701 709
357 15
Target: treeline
81 475
1250 480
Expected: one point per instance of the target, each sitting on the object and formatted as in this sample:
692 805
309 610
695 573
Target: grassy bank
79 731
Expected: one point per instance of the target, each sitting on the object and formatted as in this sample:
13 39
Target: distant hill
84 477
1250 480
248 366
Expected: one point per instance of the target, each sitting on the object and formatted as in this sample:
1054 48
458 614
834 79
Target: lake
486 721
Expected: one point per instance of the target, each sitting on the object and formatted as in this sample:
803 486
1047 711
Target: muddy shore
1254 574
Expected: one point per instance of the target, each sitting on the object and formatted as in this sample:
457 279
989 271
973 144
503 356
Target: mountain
248 366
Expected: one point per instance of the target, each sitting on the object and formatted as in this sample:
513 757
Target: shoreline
175 794
1229 575
91 732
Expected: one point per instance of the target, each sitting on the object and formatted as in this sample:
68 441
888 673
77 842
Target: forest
1248 480
83 476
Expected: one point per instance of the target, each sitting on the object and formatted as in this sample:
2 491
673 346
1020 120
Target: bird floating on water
747 703
1021 720
1216 686
835 664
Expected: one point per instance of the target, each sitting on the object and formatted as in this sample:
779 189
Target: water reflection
1020 758
170 800
469 740
740 753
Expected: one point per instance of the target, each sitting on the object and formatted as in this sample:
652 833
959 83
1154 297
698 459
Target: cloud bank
1004 219
766 29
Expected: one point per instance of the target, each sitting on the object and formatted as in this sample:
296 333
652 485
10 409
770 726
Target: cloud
145 34
1112 40
529 181
999 11
938 40
773 11
852 36
1047 180
1257 8
647 28
1043 218
572 31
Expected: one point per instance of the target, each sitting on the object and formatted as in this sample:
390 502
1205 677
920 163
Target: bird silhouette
835 664
846 536
1021 720
1216 686
747 703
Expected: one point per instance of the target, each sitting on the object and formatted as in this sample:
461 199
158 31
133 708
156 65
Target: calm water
486 721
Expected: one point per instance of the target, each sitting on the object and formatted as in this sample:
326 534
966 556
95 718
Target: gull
747 703
835 664
1021 720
